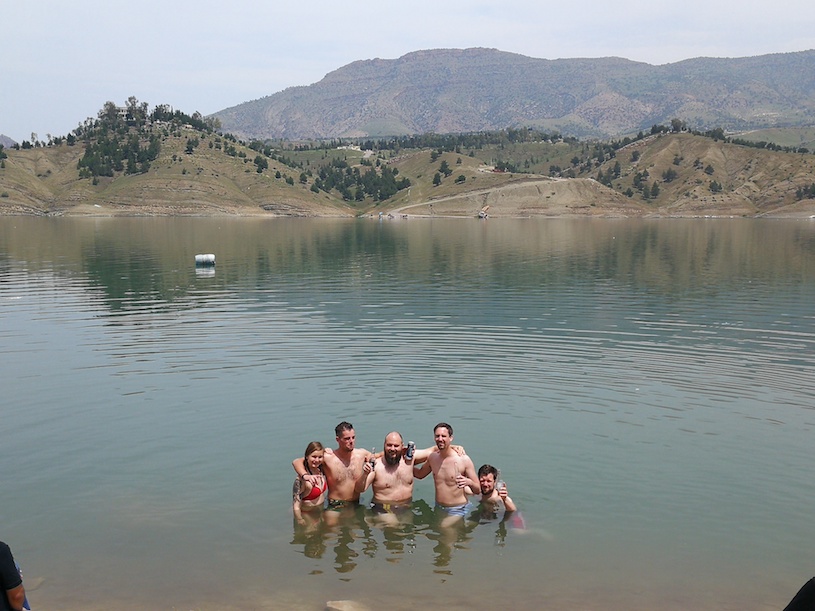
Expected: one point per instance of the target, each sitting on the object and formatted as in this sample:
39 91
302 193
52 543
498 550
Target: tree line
379 183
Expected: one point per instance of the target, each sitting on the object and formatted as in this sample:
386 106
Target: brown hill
699 176
45 180
684 167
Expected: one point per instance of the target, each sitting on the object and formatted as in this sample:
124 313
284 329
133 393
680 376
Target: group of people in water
330 481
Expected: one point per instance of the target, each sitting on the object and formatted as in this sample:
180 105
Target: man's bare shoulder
435 459
329 455
468 462
331 460
356 455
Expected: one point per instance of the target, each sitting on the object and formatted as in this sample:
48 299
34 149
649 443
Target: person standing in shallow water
309 494
492 496
342 467
452 474
392 480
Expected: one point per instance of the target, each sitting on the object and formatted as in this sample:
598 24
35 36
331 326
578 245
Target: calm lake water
646 387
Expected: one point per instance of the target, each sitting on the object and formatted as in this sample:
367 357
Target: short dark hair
342 427
486 470
445 425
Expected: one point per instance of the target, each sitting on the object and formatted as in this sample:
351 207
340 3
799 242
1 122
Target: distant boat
482 214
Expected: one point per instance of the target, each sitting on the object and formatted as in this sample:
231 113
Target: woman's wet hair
314 446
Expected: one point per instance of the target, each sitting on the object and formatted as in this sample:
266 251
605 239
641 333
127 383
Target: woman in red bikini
308 497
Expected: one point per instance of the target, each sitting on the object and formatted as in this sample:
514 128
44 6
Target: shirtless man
452 474
492 497
392 479
342 468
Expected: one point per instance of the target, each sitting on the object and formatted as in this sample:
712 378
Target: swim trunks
338 505
455 510
395 508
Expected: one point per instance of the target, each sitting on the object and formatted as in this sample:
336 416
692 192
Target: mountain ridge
477 89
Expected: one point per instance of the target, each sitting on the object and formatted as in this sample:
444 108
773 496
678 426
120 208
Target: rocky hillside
659 175
215 177
698 176
451 91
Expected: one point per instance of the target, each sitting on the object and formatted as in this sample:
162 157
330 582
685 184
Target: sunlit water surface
646 388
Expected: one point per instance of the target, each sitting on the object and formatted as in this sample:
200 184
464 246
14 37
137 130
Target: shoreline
804 215
456 207
729 597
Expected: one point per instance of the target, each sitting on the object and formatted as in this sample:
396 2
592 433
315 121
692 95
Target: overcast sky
60 61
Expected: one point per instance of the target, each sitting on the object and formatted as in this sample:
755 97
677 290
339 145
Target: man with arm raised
392 481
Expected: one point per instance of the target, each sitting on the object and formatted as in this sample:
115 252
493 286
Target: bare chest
393 478
446 469
340 470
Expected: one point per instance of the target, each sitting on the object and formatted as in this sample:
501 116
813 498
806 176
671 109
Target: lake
645 386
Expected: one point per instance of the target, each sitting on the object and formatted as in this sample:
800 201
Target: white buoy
205 260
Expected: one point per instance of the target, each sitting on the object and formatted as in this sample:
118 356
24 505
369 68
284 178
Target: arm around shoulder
469 472
420 456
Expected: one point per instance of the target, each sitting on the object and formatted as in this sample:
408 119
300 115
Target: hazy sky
60 61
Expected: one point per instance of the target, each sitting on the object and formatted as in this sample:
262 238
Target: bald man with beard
392 479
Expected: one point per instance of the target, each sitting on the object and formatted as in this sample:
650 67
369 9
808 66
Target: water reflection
149 263
663 372
127 276
368 533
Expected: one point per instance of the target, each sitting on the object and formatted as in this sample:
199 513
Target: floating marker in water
205 260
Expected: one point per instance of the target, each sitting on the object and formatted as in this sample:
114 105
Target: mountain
6 142
470 90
